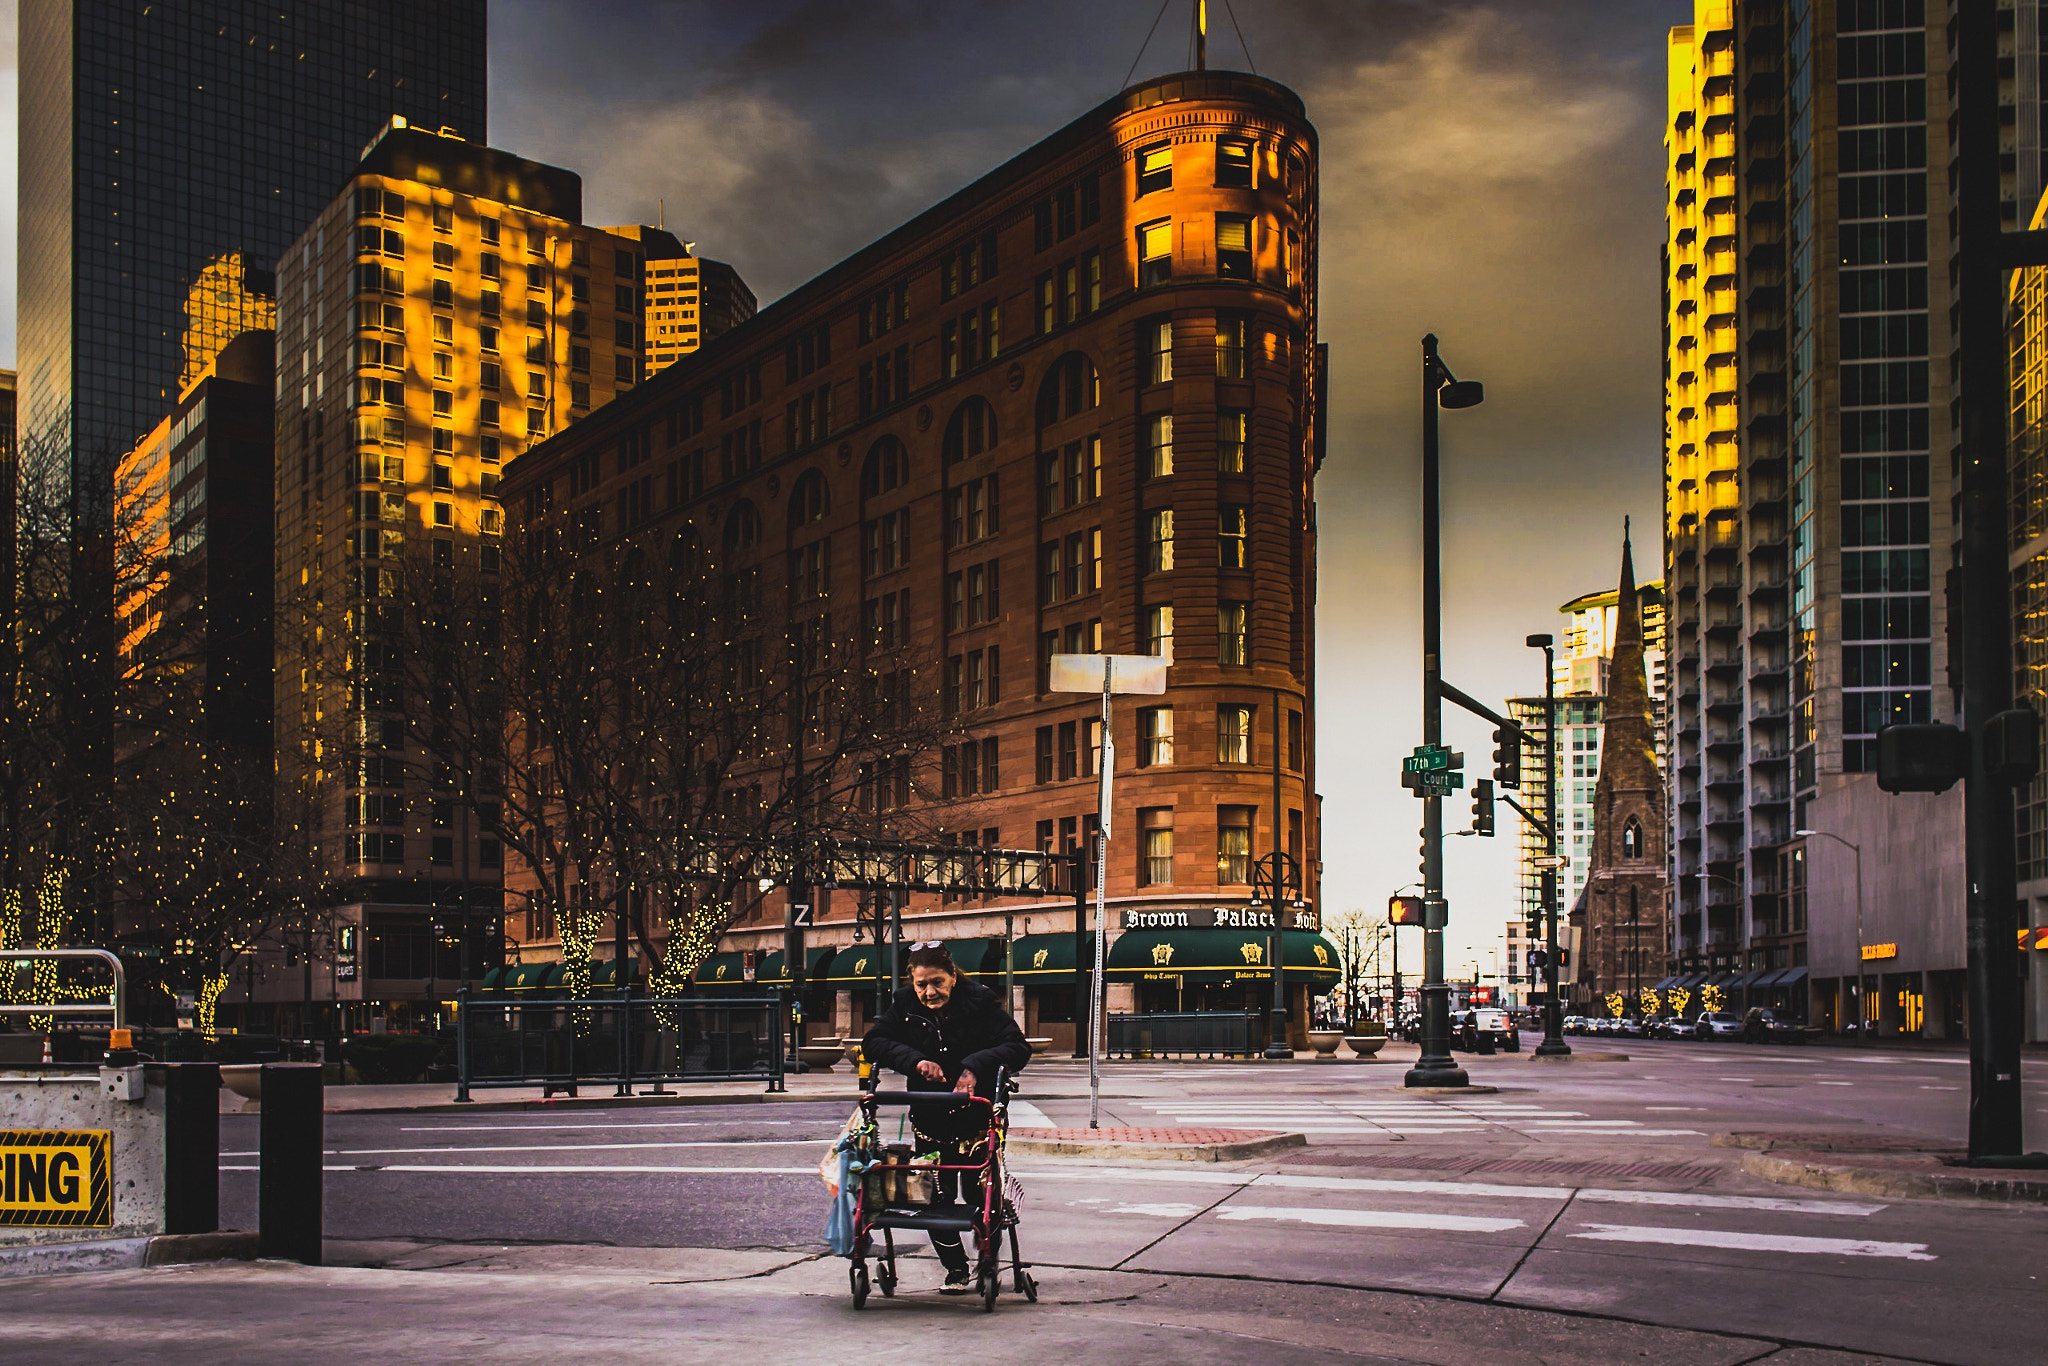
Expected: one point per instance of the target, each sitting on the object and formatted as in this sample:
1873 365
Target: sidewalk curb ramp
1893 1171
1154 1145
125 1254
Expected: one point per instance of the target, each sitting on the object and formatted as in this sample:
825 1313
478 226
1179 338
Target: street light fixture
1553 1045
1440 389
1863 1023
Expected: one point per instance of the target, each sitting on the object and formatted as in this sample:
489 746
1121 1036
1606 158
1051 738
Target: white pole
1101 941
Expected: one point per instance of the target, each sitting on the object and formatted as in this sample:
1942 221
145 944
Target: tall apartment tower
155 139
1808 484
446 311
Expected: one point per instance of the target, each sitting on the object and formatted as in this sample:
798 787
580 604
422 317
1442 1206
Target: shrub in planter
380 1059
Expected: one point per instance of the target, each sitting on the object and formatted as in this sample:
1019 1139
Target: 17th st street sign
1432 771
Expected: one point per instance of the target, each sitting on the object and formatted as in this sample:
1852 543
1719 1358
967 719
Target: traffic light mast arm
1478 708
1542 826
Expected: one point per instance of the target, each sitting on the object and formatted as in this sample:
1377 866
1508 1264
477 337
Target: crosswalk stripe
1688 1200
1373 1218
1755 1242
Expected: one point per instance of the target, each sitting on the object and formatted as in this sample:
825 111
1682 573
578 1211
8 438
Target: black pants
954 1188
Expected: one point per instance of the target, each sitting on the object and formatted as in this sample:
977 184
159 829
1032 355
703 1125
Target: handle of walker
937 1100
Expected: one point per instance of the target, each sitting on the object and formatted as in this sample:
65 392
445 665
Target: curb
1577 1056
1473 1090
1156 1152
1807 1171
125 1254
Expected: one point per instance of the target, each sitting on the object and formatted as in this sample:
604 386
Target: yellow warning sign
56 1178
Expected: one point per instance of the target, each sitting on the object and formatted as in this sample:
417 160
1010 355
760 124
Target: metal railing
115 1006
1202 1035
561 1044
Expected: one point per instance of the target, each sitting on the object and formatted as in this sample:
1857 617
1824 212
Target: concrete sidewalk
442 1302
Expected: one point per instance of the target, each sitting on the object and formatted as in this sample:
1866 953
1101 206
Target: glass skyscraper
157 139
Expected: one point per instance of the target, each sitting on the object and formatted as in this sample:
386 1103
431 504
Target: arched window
972 430
1632 839
809 501
683 556
1071 387
887 467
742 528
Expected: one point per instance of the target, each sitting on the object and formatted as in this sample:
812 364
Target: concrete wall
71 1099
1912 877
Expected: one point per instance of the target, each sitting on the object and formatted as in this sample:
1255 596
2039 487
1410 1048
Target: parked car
1762 1025
1670 1027
1630 1027
1717 1024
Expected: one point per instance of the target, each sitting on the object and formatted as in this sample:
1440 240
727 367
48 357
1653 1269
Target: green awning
816 964
860 963
494 979
977 957
1043 957
605 974
1197 957
722 970
555 979
527 976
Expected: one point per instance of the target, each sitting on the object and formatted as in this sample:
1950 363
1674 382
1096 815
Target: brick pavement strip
1898 1166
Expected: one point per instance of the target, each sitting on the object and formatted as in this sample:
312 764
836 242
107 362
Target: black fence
559 1045
1204 1036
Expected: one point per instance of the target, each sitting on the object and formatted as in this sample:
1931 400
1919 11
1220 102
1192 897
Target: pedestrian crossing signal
1404 910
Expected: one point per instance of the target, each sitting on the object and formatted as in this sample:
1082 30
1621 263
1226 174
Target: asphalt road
1588 1188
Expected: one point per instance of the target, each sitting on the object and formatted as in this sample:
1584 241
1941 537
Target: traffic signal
1482 807
1404 910
1507 756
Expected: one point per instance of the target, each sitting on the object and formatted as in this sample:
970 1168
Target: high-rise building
232 296
1074 407
448 309
1807 479
157 140
689 299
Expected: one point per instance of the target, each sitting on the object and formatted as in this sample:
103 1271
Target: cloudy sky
1490 172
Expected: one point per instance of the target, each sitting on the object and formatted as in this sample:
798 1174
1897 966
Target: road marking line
574 1147
564 1170
1025 1115
1372 1218
1397 1187
1583 1124
550 1128
1684 1199
1836 1083
1621 1133
1756 1242
1164 1210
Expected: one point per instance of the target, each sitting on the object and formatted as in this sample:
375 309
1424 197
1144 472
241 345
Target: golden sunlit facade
230 297
445 312
1702 452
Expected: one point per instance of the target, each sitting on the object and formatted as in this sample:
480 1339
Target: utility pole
1435 1067
1553 1045
1982 258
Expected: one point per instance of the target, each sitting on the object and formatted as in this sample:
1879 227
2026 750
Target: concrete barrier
107 1154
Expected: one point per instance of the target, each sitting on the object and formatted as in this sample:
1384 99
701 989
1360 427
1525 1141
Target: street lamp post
1553 1045
1862 1011
1440 389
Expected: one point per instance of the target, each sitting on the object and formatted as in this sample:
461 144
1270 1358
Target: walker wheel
1030 1286
885 1279
858 1274
988 1291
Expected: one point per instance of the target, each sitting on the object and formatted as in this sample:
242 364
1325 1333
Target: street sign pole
1111 674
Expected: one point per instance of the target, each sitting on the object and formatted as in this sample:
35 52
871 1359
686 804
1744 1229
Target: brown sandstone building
1074 407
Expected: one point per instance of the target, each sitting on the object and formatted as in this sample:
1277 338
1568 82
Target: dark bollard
290 1166
191 1146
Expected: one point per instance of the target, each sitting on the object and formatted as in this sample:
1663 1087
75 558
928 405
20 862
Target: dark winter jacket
973 1033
